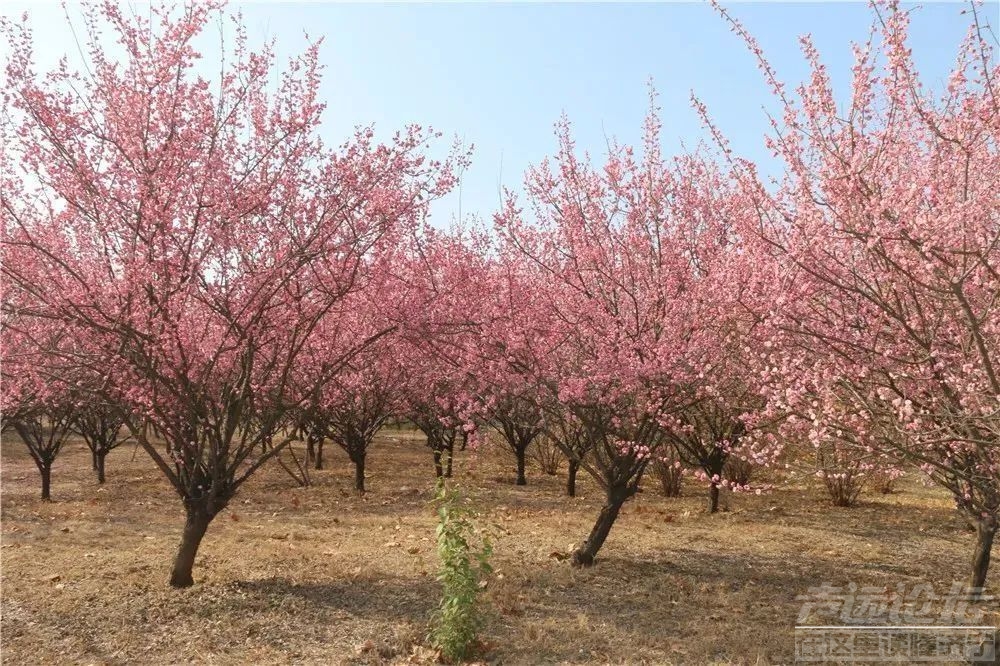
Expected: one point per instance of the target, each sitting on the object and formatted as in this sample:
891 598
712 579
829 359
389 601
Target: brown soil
319 575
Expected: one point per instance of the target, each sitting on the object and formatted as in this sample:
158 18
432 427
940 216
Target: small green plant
463 566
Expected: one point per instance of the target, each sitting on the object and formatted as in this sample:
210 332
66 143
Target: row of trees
45 427
188 250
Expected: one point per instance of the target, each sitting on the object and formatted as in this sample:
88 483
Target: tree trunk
93 459
194 529
521 480
585 554
310 449
571 479
713 499
985 531
451 456
319 454
438 468
359 474
99 465
46 470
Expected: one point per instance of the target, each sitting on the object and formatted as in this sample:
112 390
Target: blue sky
499 75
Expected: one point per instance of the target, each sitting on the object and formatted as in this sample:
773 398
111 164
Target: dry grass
319 575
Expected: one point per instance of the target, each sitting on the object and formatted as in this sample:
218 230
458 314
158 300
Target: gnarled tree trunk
521 480
359 472
713 498
571 478
584 555
194 529
99 465
45 469
319 453
986 529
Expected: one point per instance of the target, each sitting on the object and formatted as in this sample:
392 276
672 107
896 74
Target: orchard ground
320 575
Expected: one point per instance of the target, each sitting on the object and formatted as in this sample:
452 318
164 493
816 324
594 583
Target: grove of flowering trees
200 236
186 264
888 223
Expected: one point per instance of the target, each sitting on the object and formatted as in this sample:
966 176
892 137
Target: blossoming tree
197 231
35 400
621 329
888 218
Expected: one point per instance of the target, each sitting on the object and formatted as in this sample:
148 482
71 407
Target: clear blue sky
499 75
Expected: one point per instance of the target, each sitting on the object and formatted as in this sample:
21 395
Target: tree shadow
731 604
380 596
